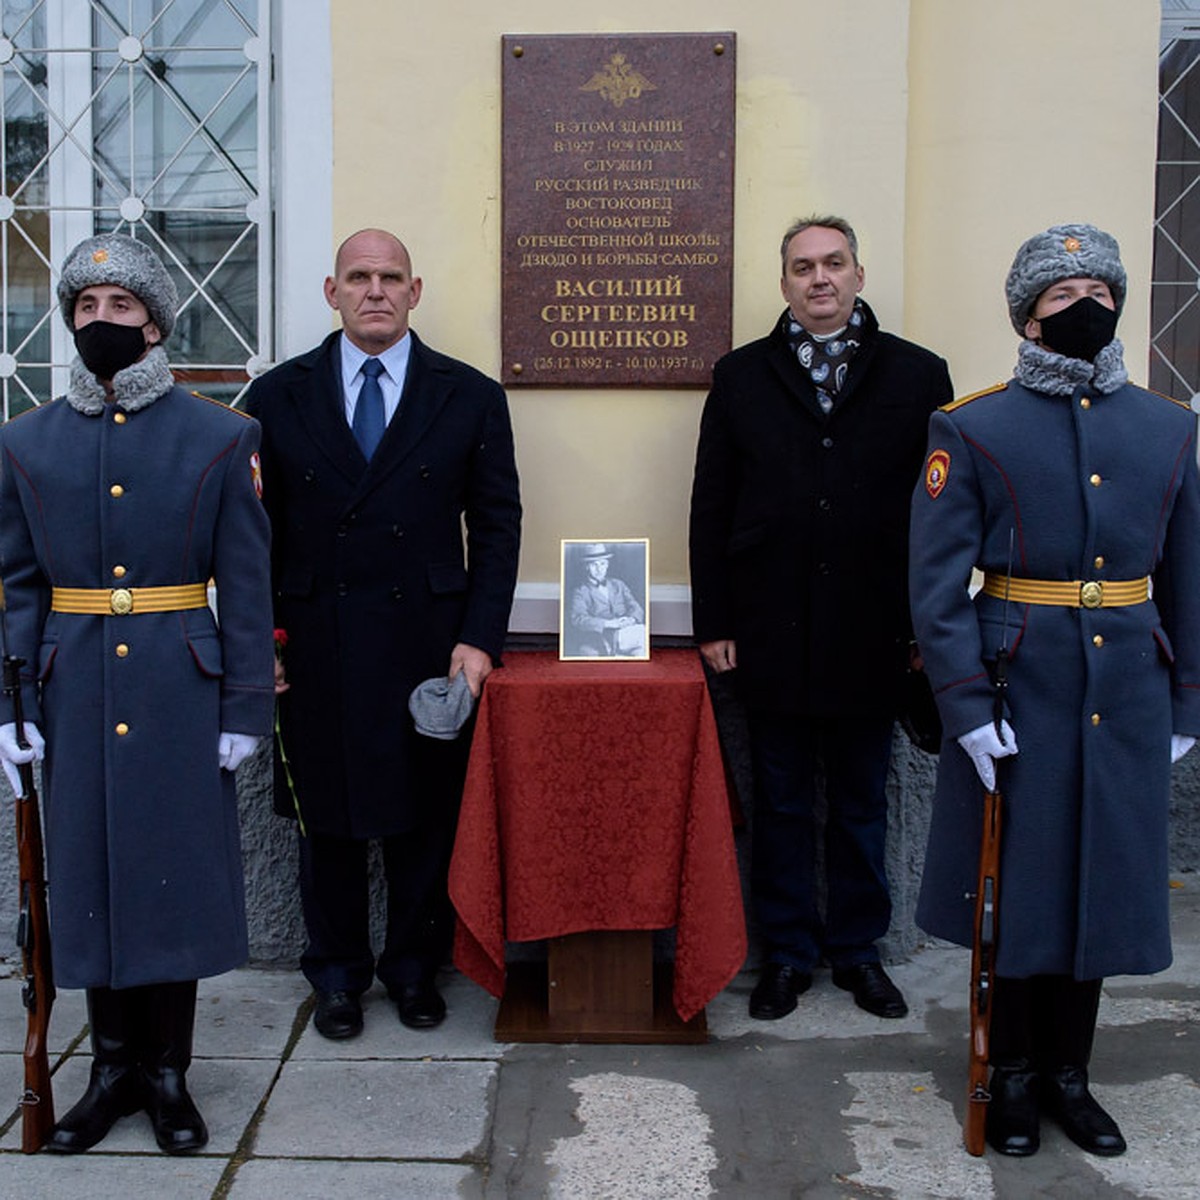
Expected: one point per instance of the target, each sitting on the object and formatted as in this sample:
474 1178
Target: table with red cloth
596 799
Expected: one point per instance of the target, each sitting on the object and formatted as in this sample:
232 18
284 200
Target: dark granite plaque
618 208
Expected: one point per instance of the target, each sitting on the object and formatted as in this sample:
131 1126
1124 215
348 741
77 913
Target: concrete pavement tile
1161 1122
908 1141
318 1180
100 1176
67 1018
227 1091
430 1110
465 1033
639 1136
248 1013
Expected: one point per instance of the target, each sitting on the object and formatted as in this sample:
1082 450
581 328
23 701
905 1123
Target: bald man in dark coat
377 590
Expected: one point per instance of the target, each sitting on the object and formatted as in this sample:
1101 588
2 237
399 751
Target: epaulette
948 408
1164 396
222 404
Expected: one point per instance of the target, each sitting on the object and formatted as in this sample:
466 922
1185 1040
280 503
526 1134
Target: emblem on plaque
619 81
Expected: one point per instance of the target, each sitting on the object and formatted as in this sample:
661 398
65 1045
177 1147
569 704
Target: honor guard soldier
119 502
1076 495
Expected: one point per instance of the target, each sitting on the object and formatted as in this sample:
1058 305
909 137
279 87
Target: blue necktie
368 411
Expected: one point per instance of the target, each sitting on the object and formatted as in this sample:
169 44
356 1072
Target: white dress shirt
391 378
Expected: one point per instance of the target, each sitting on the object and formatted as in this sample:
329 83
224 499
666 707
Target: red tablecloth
596 799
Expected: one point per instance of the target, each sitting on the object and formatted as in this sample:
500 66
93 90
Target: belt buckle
1091 594
120 600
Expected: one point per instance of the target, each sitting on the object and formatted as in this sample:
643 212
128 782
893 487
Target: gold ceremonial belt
1075 593
120 602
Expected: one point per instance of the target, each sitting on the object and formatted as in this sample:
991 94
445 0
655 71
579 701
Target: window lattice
147 117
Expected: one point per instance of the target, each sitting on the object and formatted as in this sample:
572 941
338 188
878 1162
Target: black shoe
872 989
1012 1112
339 1015
420 1005
774 995
1067 1099
112 1093
178 1126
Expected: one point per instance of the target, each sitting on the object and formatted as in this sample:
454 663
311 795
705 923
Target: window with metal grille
145 117
1175 288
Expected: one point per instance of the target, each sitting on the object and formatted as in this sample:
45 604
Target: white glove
234 748
11 754
1180 745
983 747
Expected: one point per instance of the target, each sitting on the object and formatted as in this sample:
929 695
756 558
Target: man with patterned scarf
119 502
1076 494
810 444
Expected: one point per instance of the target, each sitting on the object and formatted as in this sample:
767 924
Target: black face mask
107 347
1081 330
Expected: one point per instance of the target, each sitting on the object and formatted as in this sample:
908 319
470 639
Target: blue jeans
788 754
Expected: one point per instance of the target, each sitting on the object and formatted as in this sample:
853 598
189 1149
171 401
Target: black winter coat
799 523
373 584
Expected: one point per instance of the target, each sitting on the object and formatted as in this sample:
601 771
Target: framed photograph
604 610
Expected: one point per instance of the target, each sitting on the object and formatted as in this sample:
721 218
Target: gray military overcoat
141 826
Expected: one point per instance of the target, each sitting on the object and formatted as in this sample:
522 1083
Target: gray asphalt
829 1102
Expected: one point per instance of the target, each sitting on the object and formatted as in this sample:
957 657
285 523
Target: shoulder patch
996 387
937 471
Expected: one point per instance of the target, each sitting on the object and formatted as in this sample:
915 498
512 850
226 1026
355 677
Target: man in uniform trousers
810 443
1076 494
377 453
119 502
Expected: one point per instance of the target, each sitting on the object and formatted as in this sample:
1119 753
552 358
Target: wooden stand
598 987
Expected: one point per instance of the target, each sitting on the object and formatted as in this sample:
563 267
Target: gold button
1085 403
122 729
122 650
1095 718
119 418
1097 640
1094 481
1099 561
118 572
116 490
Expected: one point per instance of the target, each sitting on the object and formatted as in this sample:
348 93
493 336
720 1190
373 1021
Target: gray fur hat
123 262
1062 252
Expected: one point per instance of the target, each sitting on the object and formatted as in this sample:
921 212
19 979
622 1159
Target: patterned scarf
825 358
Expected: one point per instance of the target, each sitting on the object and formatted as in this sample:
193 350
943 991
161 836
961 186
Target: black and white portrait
604 593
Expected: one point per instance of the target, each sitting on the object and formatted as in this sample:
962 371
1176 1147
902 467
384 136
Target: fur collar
133 388
1043 370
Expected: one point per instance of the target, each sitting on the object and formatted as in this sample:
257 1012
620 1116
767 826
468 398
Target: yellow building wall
945 130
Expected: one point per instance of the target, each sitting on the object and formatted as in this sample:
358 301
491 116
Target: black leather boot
1067 1099
166 1055
1012 1113
1012 1125
114 1088
1069 1007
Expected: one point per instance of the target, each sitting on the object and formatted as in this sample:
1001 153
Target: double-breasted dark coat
374 580
143 854
1093 487
799 521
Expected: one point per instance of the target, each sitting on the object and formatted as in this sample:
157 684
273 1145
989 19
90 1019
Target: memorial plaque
618 208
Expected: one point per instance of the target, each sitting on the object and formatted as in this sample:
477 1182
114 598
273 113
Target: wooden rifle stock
983 974
33 937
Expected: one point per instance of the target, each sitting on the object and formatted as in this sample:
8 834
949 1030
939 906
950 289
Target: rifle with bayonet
983 949
33 937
